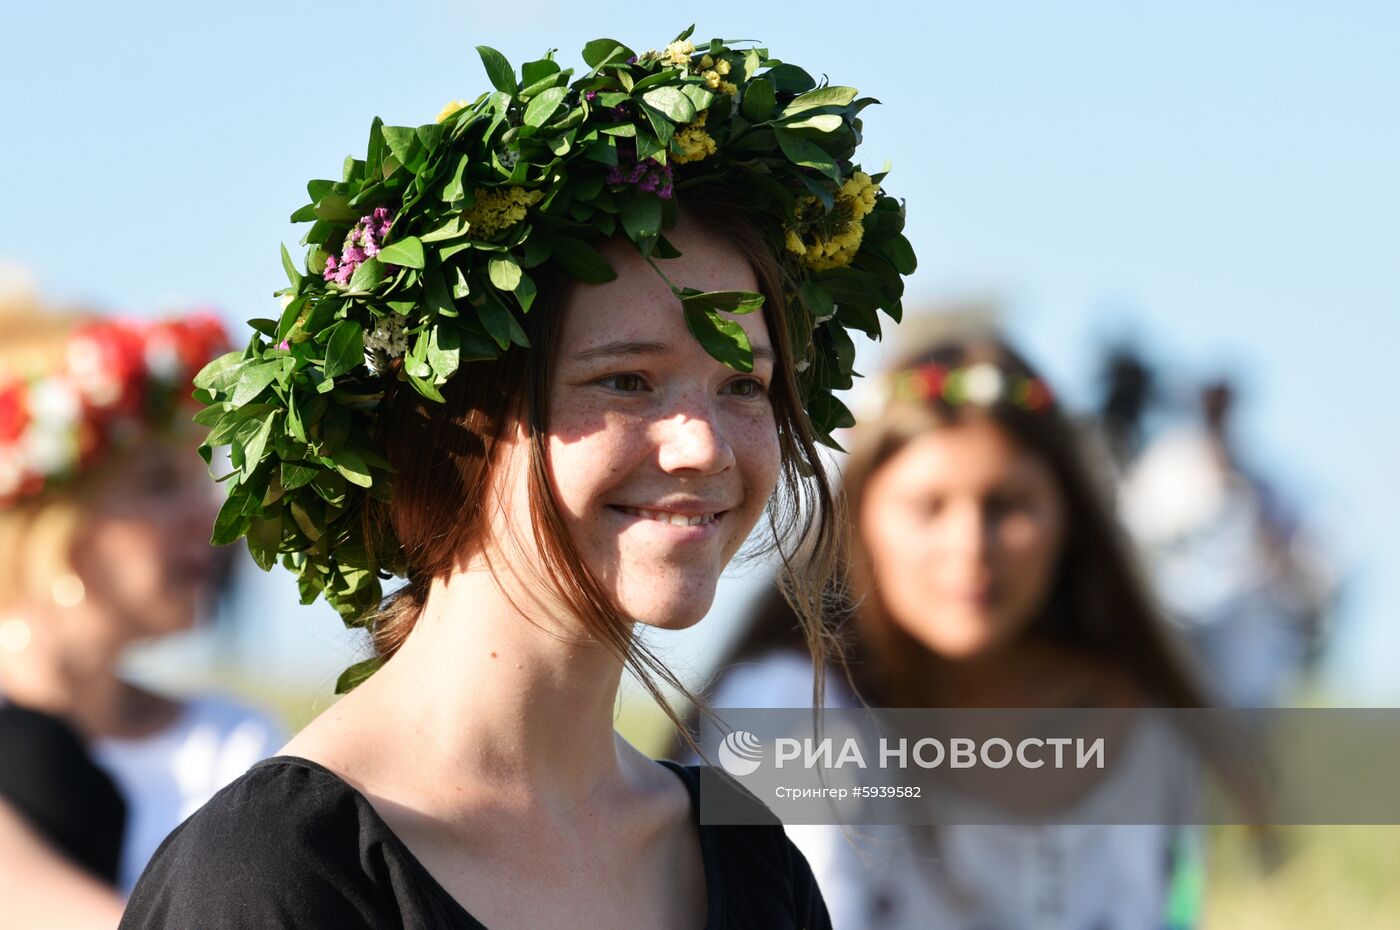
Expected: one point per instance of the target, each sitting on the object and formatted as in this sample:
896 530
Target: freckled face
662 458
964 529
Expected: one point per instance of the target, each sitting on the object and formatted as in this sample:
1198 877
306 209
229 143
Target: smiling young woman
580 342
475 779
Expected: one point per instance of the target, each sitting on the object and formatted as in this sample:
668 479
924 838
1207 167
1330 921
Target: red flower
14 414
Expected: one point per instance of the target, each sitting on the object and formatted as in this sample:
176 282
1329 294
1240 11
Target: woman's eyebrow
622 348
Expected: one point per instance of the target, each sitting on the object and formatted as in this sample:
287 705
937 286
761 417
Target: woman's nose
692 442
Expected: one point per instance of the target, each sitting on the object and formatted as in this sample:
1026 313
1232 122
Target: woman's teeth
675 519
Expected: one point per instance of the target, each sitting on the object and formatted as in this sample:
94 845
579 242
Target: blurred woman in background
985 573
105 517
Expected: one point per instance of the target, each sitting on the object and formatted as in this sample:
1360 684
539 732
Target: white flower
85 364
388 337
982 383
162 358
54 404
49 451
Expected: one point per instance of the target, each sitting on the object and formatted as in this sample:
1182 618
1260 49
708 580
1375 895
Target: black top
47 776
290 844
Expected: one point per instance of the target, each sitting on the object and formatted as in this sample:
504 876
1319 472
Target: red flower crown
981 383
115 381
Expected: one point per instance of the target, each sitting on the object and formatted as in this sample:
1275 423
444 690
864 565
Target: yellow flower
722 67
711 79
706 63
693 141
831 240
726 87
678 54
452 107
498 208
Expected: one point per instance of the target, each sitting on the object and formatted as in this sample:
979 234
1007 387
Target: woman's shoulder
288 843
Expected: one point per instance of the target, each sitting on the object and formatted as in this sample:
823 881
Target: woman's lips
675 525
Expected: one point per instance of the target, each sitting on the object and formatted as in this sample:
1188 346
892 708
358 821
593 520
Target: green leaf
368 276
253 380
346 349
264 539
297 475
444 350
669 75
821 97
817 122
495 316
661 125
230 523
648 145
436 293
335 208
759 101
216 375
290 314
426 388
533 71
406 252
293 276
808 154
641 219
351 465
790 79
724 339
605 51
505 273
699 96
736 302
402 141
253 451
901 254
525 292
580 260
672 102
498 70
352 677
542 107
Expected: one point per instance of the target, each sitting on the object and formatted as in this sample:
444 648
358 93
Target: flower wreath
981 384
115 381
419 261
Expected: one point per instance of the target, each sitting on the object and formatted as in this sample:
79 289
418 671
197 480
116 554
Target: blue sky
1218 181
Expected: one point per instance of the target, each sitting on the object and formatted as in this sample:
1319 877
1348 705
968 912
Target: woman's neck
1024 673
490 690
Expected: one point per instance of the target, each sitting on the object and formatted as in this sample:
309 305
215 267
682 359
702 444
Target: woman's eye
628 384
749 387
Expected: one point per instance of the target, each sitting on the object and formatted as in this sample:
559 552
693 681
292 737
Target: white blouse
169 775
1056 877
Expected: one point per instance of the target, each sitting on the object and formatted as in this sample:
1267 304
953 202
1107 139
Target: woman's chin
671 615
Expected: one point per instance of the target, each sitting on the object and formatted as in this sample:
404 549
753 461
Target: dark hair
444 455
1098 603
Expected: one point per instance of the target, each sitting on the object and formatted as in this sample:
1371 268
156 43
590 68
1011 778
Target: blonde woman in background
105 516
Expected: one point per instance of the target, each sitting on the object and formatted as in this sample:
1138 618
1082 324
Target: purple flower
364 241
646 174
590 95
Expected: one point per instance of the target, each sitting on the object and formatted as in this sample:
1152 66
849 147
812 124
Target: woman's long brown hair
1099 605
